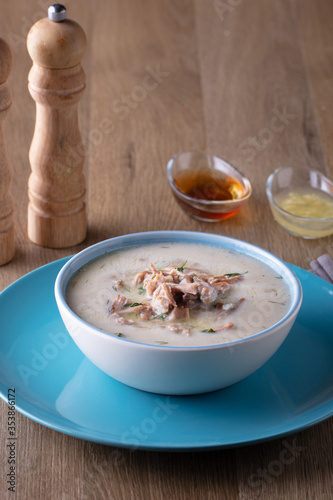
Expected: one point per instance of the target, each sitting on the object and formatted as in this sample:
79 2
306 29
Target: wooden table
162 77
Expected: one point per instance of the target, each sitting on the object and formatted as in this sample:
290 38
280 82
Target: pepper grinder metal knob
7 248
57 12
56 211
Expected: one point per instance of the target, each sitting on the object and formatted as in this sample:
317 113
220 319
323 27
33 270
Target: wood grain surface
165 76
7 240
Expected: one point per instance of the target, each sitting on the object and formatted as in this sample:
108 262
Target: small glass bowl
288 190
206 187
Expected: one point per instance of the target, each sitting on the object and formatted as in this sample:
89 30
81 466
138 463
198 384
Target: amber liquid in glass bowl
210 185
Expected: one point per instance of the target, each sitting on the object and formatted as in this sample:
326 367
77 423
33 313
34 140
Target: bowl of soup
177 312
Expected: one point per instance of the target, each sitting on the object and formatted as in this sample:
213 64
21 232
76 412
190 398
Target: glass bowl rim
280 209
190 199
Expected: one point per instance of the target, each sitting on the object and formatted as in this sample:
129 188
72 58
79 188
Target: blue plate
57 386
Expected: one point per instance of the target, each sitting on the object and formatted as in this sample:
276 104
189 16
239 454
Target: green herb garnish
142 290
136 304
231 275
209 330
281 303
279 277
181 268
161 342
120 335
163 316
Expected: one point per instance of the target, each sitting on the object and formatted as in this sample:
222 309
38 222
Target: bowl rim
271 198
294 285
190 199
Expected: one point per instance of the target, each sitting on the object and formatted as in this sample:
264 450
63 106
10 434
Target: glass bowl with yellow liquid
207 187
301 201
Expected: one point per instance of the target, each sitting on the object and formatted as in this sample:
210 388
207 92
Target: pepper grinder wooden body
56 211
7 248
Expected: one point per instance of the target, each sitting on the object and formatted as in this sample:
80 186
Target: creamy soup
178 294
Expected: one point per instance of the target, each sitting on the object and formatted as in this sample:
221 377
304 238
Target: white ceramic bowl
176 370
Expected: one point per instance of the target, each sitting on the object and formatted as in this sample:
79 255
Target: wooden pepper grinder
6 203
56 211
